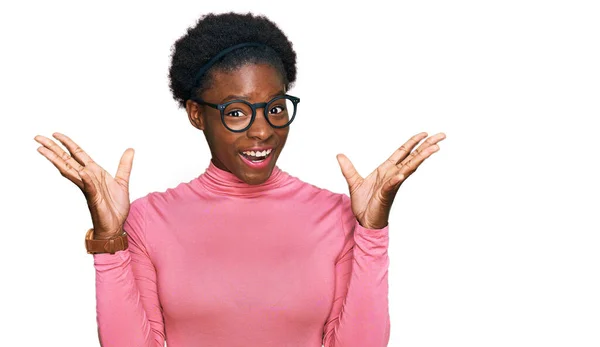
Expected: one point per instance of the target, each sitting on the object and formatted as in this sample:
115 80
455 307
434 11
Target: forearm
121 315
364 319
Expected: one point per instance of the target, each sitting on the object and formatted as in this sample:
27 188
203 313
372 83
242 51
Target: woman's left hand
372 197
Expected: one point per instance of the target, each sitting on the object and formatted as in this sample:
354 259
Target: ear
194 114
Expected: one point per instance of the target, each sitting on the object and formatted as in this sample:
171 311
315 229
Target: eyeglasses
238 115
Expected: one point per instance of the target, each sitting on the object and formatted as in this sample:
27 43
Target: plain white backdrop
495 239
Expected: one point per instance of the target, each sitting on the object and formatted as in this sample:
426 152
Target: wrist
112 244
106 236
373 226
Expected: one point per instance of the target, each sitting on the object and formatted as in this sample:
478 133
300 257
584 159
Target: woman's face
253 83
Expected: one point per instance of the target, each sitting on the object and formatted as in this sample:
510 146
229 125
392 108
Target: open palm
372 196
107 197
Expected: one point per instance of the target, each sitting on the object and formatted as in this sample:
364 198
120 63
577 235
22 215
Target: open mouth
257 156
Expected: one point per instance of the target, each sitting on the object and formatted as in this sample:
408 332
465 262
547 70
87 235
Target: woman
245 254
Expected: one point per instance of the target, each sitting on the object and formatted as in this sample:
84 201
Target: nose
260 128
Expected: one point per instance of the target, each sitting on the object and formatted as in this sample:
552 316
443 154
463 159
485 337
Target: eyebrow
243 97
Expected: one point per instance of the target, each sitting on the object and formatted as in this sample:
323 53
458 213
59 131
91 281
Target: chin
256 180
254 176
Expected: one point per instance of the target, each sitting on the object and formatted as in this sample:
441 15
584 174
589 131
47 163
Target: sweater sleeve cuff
367 230
372 241
107 261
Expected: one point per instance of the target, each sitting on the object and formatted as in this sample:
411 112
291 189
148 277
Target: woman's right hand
107 197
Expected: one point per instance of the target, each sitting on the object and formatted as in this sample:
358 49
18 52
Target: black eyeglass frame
264 105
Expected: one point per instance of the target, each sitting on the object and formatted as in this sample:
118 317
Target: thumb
348 170
124 169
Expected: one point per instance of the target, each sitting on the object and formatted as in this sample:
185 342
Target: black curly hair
216 32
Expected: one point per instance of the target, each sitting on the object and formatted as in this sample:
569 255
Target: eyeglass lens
279 112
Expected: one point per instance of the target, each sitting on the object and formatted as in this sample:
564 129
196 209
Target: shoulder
315 194
332 203
160 201
337 206
171 196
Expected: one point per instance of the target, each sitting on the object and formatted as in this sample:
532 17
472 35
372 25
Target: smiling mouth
257 156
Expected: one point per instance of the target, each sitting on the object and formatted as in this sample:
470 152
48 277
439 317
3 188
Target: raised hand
107 197
372 196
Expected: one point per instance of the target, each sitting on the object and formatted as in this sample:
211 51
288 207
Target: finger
89 188
390 187
79 154
51 145
352 176
405 149
429 142
64 168
410 165
413 163
124 169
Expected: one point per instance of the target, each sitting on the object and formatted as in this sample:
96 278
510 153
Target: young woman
245 254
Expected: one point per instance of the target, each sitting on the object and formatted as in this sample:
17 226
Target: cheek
222 140
282 134
227 143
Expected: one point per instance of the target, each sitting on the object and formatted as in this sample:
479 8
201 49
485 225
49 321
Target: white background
494 240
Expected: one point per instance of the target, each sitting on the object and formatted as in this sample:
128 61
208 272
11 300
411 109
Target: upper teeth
258 154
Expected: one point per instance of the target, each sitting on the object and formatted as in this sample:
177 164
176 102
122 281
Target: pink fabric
218 262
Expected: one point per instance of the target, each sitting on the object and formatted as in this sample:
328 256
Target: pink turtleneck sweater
216 262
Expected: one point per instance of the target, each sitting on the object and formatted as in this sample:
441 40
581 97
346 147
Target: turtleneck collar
226 183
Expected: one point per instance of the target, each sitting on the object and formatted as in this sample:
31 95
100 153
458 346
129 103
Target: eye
276 109
235 113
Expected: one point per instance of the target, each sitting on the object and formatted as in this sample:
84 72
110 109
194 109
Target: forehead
253 81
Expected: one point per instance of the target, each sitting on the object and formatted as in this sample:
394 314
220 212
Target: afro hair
216 32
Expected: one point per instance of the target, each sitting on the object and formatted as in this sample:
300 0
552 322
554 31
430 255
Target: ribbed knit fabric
216 262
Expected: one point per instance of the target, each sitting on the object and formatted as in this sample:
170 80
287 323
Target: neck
223 182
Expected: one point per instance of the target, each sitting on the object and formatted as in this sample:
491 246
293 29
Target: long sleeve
219 262
127 305
360 313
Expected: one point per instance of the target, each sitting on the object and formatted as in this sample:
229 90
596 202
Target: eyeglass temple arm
200 101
